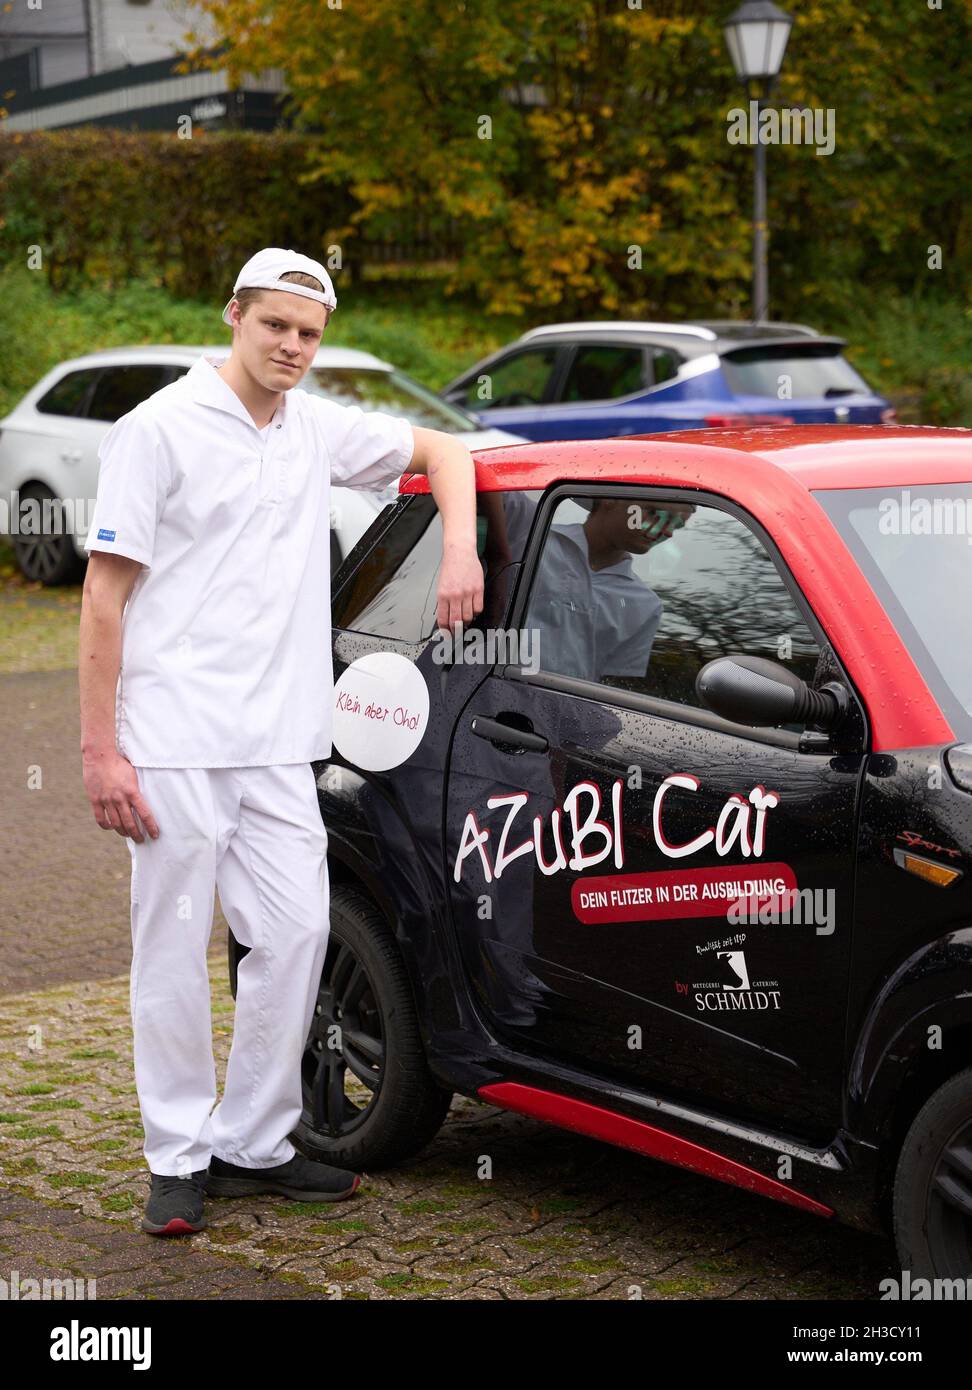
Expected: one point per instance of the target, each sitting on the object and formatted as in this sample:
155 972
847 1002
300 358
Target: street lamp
756 36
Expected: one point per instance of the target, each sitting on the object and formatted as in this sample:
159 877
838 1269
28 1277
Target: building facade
68 63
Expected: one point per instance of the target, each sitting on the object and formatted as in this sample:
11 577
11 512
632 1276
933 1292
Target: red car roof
816 456
771 471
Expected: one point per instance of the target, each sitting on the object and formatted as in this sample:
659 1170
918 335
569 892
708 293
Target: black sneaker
300 1178
175 1205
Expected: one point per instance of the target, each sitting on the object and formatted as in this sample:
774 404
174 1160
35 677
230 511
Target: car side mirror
763 694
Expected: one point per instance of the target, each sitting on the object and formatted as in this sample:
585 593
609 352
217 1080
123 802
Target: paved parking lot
561 1217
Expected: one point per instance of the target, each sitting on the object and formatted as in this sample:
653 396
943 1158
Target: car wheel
47 559
370 1100
933 1186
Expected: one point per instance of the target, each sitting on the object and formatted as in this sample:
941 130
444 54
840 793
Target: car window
120 389
603 372
913 547
67 396
391 591
665 365
374 389
639 595
809 371
520 379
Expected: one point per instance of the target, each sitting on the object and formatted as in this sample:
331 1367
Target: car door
600 822
385 601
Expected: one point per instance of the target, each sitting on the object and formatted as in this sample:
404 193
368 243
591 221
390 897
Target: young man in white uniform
206 691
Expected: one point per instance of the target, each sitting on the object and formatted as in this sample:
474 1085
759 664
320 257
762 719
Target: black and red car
690 873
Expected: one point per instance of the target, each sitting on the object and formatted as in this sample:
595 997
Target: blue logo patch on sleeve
104 535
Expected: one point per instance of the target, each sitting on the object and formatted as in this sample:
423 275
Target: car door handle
71 455
495 731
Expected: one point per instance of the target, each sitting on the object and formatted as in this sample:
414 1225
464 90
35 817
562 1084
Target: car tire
43 559
933 1186
409 1107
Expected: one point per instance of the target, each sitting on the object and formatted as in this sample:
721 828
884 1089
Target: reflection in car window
120 389
66 397
641 594
394 591
372 389
601 373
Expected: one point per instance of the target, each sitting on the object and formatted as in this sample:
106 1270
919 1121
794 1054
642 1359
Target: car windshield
375 389
813 372
913 546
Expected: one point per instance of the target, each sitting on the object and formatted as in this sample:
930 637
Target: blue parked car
590 380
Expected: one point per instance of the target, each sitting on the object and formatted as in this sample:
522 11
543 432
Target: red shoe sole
176 1227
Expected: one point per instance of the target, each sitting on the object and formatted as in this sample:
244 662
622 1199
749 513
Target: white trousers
256 835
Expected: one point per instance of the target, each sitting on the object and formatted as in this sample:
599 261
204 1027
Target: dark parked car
686 866
592 380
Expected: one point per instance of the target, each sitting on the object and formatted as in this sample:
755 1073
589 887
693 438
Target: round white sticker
381 710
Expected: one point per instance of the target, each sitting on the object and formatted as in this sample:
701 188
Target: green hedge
107 206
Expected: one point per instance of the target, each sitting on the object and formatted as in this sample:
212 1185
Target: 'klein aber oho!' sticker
381 710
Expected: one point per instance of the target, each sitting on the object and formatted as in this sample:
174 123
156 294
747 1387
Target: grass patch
694 1288
120 1201
467 1226
20 1167
304 1209
76 1179
549 1283
326 1228
411 1283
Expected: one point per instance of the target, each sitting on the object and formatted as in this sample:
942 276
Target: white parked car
49 441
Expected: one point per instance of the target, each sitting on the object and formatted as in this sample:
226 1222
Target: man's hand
112 787
460 592
452 482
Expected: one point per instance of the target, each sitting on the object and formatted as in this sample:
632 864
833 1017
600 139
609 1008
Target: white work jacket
226 636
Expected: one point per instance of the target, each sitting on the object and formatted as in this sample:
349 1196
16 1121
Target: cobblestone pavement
561 1216
64 888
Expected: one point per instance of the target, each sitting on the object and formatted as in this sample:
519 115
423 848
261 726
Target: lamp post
756 35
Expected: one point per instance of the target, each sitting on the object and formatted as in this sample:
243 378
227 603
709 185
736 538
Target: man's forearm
99 659
452 482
